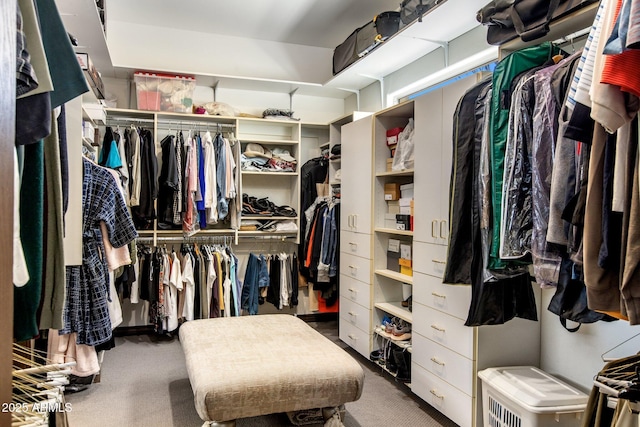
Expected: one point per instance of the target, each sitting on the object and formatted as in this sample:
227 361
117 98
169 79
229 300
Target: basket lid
532 387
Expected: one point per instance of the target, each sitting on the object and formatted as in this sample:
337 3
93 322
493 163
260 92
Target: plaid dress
86 311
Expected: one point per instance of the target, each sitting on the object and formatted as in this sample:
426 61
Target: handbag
570 300
527 19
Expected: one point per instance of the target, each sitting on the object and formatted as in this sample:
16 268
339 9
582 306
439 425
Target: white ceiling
320 23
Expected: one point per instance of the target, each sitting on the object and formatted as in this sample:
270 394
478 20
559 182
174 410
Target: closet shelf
269 218
335 183
407 172
384 334
395 309
335 160
325 145
89 144
267 141
410 43
395 276
394 231
269 173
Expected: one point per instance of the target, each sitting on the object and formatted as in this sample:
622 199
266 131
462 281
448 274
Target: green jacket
503 75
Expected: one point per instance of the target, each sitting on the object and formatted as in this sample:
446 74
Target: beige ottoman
256 365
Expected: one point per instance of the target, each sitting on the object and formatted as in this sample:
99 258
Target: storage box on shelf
164 92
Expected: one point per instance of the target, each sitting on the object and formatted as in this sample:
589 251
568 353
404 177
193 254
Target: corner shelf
406 172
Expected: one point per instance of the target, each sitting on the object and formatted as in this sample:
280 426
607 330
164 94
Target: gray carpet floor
144 382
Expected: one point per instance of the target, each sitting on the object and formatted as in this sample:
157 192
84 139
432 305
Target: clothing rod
128 119
173 125
573 36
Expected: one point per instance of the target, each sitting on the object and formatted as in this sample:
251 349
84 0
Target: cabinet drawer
355 243
355 338
355 267
452 299
355 314
355 290
432 258
446 330
444 397
444 363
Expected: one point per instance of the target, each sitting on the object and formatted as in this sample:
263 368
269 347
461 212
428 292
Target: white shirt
189 287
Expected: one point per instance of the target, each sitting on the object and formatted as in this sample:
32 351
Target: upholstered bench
248 366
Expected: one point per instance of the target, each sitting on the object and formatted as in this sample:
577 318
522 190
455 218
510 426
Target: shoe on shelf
376 355
408 302
388 327
401 331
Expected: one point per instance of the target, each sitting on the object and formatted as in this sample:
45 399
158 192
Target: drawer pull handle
437 362
354 246
437 295
353 337
351 313
443 235
434 224
435 393
354 269
437 328
437 261
352 290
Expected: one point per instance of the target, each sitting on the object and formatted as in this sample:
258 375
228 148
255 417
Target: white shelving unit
281 188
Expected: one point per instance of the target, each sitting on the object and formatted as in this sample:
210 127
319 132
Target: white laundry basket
525 396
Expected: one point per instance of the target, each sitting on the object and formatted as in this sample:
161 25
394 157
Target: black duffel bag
527 19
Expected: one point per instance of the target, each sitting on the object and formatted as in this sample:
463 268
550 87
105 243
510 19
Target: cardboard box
411 207
96 112
405 252
393 255
391 191
390 220
405 262
403 222
393 207
389 163
405 210
91 74
406 191
406 265
88 131
406 270
404 202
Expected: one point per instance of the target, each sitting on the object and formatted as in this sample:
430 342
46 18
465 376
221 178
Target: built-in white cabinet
355 207
355 326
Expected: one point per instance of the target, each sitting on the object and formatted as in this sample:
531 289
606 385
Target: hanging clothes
87 293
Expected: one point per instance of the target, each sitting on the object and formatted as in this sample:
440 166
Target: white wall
146 47
577 357
314 109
